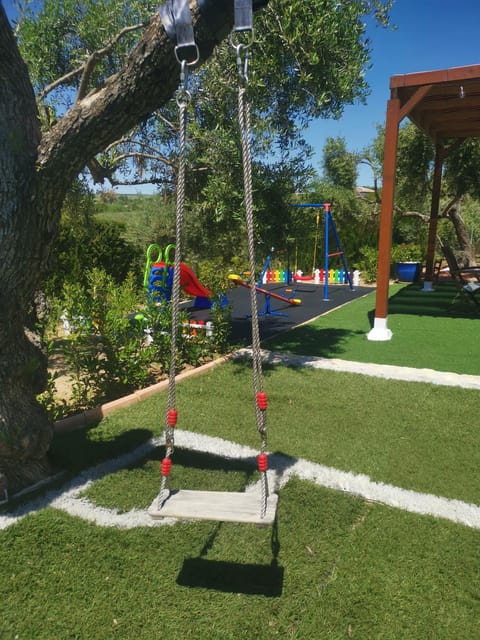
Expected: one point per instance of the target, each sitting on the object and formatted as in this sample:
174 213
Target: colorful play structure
287 297
159 273
335 276
267 311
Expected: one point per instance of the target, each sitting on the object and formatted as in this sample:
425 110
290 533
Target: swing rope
258 388
183 99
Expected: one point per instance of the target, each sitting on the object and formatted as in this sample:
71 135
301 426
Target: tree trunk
466 252
25 431
35 173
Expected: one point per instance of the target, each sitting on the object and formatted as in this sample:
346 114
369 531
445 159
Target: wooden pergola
446 106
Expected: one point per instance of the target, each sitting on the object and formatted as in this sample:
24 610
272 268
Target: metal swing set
257 507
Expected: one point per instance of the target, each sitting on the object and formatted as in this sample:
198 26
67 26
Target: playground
284 300
292 315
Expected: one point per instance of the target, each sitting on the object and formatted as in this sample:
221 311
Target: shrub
119 342
368 263
106 350
407 252
214 275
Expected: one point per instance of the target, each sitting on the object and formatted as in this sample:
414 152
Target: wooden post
432 229
380 330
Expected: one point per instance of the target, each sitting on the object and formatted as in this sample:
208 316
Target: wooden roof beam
455 74
414 99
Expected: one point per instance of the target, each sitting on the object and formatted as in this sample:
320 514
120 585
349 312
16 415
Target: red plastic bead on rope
172 417
262 462
262 400
166 466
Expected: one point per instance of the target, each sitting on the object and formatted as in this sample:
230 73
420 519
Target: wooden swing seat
220 506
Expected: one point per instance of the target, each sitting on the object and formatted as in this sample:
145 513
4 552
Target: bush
119 342
368 263
214 276
107 350
81 248
407 252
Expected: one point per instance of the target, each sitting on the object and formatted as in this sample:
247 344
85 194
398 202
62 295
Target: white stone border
283 468
388 371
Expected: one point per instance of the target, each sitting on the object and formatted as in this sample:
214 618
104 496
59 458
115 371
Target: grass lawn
415 436
430 330
336 567
346 569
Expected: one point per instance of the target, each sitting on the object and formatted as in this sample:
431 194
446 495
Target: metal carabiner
183 96
242 63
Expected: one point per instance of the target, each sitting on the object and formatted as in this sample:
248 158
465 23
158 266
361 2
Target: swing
253 506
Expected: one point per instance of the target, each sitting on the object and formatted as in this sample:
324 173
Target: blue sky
430 34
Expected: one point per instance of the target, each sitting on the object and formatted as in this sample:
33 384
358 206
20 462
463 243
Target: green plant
407 252
214 275
118 342
54 406
107 350
368 264
222 323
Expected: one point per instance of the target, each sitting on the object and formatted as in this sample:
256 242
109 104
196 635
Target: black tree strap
177 21
216 13
243 15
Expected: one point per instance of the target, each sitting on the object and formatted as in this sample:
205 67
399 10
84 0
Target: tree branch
91 63
87 67
452 202
131 141
142 156
132 183
147 81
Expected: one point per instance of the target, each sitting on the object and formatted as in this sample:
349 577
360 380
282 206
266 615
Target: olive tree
45 143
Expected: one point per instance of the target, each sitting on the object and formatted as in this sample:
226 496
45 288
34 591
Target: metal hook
183 96
242 64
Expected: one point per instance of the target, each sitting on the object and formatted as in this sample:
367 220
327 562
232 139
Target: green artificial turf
416 436
435 330
336 567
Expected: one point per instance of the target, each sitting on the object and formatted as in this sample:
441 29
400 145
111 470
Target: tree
40 157
36 170
339 166
316 71
415 163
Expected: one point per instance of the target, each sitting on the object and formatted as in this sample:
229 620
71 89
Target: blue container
408 271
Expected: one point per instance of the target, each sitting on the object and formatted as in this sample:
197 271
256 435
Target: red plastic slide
191 284
188 280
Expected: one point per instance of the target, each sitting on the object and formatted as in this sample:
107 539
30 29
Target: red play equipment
188 281
302 278
158 277
268 294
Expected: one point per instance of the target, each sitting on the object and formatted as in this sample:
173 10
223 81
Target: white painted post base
427 286
380 331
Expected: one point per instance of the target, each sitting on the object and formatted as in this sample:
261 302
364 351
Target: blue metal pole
327 225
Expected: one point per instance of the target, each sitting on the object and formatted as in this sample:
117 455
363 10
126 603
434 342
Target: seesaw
268 294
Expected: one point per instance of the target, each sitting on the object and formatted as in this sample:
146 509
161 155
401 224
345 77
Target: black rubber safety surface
270 324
